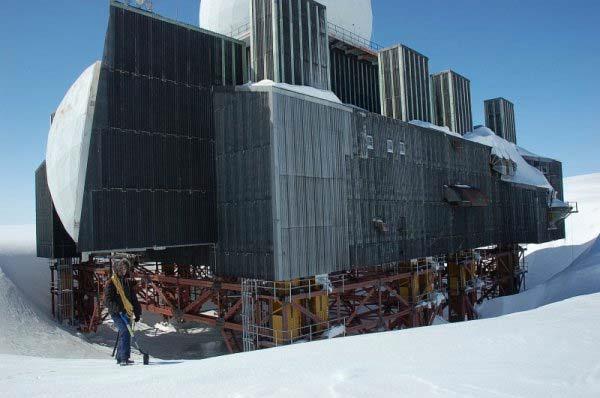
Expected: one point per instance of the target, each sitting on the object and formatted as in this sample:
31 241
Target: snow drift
551 351
584 226
24 331
580 278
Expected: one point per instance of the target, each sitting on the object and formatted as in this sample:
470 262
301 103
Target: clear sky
544 55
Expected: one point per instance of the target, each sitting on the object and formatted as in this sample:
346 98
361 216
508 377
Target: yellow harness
126 303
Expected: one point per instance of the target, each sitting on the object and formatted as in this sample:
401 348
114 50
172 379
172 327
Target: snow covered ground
547 259
552 351
25 330
566 268
580 278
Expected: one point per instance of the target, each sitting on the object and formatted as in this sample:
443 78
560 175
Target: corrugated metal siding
500 118
290 42
452 101
52 240
310 145
151 171
244 191
405 192
404 84
355 81
282 182
317 189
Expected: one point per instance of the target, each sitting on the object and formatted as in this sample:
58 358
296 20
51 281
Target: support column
508 270
456 290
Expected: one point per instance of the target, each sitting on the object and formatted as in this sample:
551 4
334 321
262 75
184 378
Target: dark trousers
124 347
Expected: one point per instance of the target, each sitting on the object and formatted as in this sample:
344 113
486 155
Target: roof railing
351 37
335 30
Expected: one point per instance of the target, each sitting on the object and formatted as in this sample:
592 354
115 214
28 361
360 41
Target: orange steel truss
254 314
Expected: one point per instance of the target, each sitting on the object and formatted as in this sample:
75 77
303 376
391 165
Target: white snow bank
524 173
579 278
24 331
584 226
545 263
17 239
305 90
432 126
549 352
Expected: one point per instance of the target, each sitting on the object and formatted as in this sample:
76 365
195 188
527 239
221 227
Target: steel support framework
254 314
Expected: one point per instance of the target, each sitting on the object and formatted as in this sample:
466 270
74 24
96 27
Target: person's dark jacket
113 301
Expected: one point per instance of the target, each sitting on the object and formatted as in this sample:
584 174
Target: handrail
335 30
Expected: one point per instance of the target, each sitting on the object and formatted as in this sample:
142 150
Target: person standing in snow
123 306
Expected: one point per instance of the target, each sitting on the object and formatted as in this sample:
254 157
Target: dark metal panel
52 240
151 175
362 79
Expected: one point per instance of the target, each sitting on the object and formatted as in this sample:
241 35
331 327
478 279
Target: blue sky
543 55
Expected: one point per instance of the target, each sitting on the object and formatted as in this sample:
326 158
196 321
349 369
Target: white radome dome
223 16
68 147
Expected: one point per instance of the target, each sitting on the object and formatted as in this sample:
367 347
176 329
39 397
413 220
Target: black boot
127 362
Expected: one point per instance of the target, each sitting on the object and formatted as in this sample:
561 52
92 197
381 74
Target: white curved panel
68 147
222 16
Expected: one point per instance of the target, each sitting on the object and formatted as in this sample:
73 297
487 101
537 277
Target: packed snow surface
225 16
304 90
68 147
24 331
549 352
432 126
525 173
580 278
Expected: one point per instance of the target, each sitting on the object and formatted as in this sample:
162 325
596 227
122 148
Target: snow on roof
305 90
524 173
525 152
432 126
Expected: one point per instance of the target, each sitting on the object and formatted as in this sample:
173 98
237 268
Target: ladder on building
249 332
62 288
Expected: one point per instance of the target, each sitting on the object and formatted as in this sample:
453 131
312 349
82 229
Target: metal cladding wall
404 190
404 84
52 239
452 101
282 180
552 170
355 81
500 118
301 193
151 175
290 42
